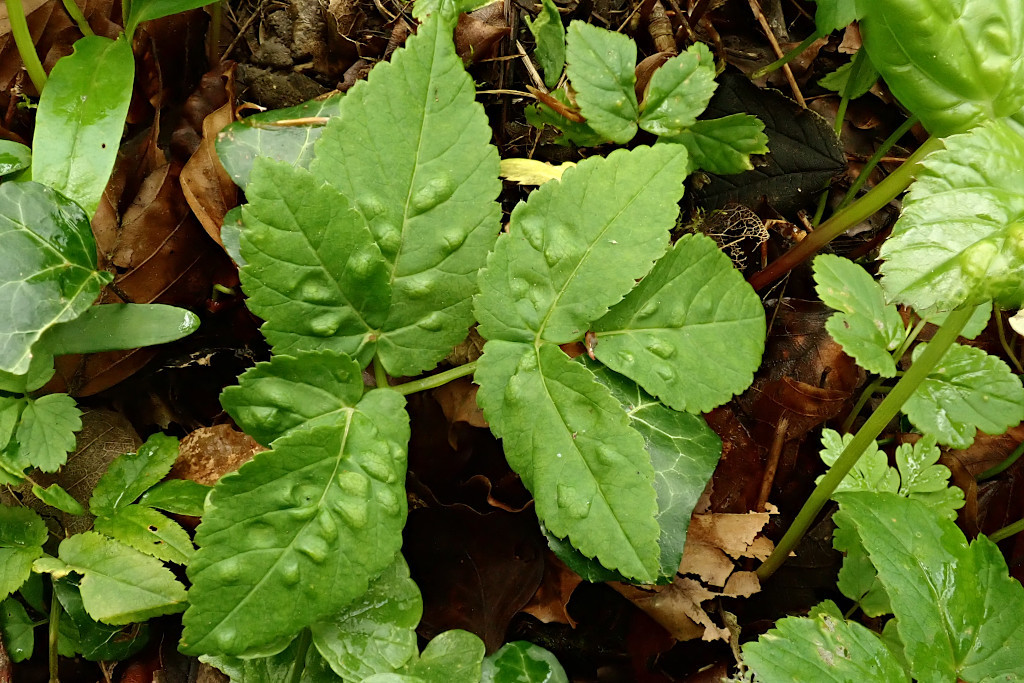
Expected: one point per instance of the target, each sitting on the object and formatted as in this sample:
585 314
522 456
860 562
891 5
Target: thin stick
755 7
773 463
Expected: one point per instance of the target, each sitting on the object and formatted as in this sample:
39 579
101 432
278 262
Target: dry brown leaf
479 32
458 401
207 187
677 607
549 603
209 453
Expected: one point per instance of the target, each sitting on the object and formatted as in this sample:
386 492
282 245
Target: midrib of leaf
579 264
600 482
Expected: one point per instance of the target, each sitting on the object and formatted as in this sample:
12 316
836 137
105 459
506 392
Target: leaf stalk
873 426
1007 531
52 635
305 638
437 380
23 41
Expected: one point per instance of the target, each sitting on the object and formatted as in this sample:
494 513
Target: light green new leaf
679 91
691 333
313 271
119 584
411 152
178 496
22 534
570 441
48 273
451 657
921 478
954 63
956 606
289 393
131 474
969 390
112 327
300 530
849 84
577 245
14 156
376 633
601 66
448 9
579 134
47 431
264 135
857 578
870 473
147 531
960 239
17 630
54 496
823 647
833 15
147 10
523 662
549 34
867 328
724 145
81 118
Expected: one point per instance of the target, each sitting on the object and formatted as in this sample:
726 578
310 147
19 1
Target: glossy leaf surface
724 145
559 267
48 275
549 35
300 530
147 531
522 662
55 496
289 393
81 118
313 271
14 157
112 327
119 584
131 474
600 65
17 629
376 633
954 603
428 201
691 333
867 328
822 647
179 496
275 668
969 390
22 534
852 80
960 238
679 91
954 63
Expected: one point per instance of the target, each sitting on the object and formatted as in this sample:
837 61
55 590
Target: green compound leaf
954 63
961 236
48 274
970 390
313 271
822 646
112 327
870 473
429 201
47 432
848 84
857 578
14 157
691 333
833 15
601 66
955 604
724 145
570 441
679 91
81 118
17 629
549 34
54 496
921 478
131 474
579 134
119 584
178 496
377 632
867 328
272 534
523 662
560 267
264 135
289 393
147 531
22 534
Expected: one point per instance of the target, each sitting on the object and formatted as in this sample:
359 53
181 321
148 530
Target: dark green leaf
430 202
850 80
48 271
131 474
147 531
549 34
47 431
147 10
80 634
724 145
13 157
112 327
54 496
600 65
691 333
177 496
523 662
81 117
10 415
16 628
679 91
307 524
22 534
290 393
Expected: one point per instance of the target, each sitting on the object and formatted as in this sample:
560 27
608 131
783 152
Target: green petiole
23 40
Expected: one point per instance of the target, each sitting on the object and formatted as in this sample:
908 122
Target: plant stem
1004 465
865 396
841 221
875 158
876 422
1007 531
788 57
435 381
23 41
1002 339
52 632
76 13
213 40
379 374
305 638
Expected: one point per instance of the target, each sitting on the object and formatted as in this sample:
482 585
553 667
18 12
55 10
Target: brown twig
755 7
772 465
